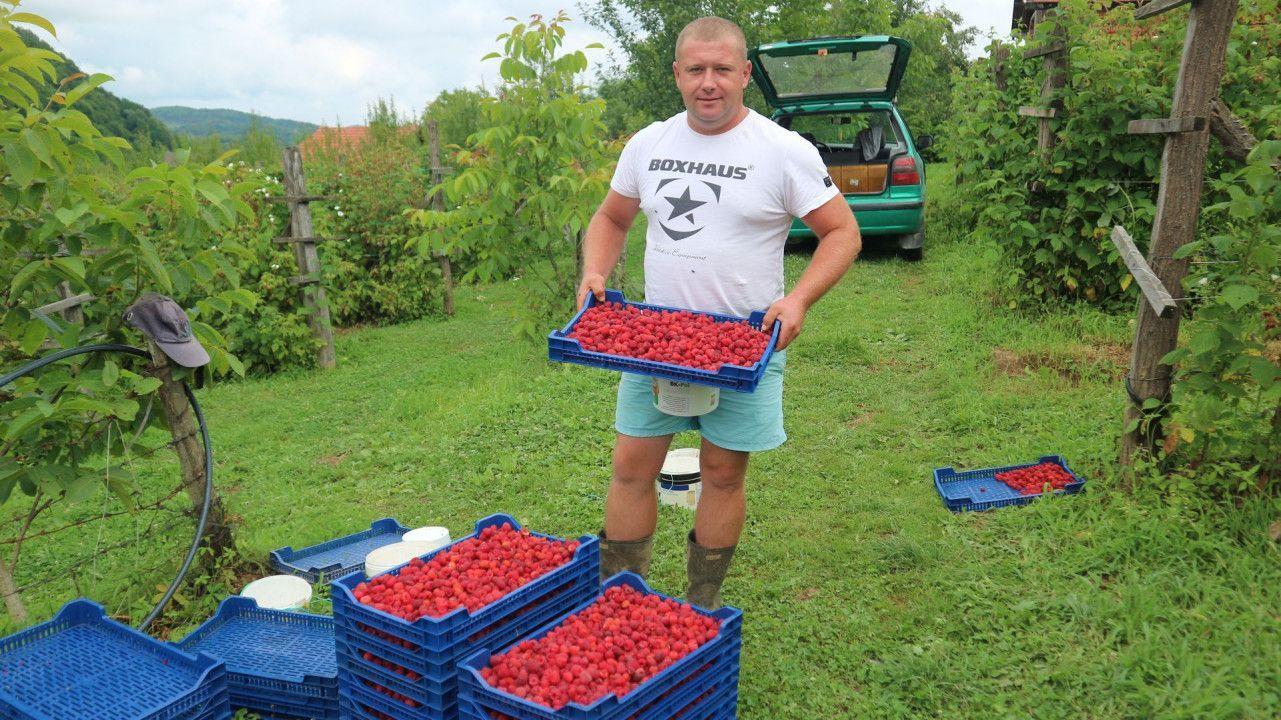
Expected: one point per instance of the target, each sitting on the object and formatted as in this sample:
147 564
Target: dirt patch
860 420
1071 362
333 461
807 594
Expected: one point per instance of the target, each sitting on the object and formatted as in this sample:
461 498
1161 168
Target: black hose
204 437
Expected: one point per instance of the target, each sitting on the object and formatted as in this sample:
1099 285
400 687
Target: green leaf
34 335
22 164
37 146
28 419
151 259
82 488
83 88
23 276
1238 296
32 19
110 373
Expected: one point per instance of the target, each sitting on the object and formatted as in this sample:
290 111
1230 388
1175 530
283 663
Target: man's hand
593 283
790 312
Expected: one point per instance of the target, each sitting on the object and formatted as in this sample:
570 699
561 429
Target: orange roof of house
339 138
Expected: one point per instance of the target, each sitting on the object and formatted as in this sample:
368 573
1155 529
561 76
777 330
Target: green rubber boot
617 556
706 568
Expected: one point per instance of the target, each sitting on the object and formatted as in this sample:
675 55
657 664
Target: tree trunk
12 598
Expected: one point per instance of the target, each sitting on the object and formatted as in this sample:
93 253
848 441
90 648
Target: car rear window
840 130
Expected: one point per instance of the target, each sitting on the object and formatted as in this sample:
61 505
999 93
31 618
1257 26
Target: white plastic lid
433 535
279 592
380 560
681 464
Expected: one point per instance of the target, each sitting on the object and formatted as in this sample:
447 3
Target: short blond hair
711 29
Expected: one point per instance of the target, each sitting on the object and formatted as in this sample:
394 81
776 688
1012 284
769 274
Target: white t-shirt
719 207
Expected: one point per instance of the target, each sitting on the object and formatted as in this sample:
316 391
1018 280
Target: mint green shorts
746 422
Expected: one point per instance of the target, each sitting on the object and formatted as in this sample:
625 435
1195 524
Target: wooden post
1000 57
313 292
1177 207
1054 61
186 444
438 204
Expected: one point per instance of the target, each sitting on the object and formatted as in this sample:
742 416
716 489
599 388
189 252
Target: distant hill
228 124
112 115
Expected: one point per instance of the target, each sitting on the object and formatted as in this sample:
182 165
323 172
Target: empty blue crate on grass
82 665
562 348
279 663
702 685
335 558
980 490
389 667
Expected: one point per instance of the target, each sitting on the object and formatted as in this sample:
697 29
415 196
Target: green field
863 596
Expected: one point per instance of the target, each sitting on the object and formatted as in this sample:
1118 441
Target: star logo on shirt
685 203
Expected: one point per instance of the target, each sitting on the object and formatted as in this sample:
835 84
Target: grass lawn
863 596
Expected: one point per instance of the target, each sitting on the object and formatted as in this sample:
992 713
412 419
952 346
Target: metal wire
204 436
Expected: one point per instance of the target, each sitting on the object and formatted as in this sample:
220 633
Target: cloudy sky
322 61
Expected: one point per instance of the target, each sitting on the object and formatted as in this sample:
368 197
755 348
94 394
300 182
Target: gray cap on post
165 324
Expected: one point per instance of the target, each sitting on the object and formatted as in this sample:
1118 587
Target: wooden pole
1055 64
186 444
313 293
438 203
1177 208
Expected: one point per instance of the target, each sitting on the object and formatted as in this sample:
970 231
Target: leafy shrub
1055 241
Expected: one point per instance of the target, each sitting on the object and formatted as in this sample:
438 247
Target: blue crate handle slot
562 348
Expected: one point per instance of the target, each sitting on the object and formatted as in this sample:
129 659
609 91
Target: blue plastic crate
285 711
335 558
441 638
980 490
361 703
717 704
84 665
562 348
710 670
276 655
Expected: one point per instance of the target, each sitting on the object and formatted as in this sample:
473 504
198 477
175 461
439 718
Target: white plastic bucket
683 399
279 592
679 481
380 560
434 536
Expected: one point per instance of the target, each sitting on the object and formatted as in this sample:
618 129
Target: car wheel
911 247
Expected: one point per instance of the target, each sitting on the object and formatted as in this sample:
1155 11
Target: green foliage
62 228
646 30
229 124
458 114
518 195
1227 395
370 274
1055 242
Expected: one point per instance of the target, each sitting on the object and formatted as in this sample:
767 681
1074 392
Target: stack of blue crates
83 665
703 685
390 668
280 664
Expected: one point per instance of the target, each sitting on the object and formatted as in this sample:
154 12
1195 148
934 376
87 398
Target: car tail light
903 172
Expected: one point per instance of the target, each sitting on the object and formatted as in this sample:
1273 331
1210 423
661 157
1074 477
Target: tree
519 194
458 115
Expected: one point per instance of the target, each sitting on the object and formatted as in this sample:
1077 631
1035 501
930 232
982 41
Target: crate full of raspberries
628 653
1003 486
400 635
683 345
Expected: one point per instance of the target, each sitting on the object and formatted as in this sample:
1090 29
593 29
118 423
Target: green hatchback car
838 93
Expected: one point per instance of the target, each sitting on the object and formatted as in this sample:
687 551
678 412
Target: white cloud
314 60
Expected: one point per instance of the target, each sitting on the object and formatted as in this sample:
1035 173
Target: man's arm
839 242
604 241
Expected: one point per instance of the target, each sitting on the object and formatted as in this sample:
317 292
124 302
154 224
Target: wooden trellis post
1054 51
303 240
438 203
1177 208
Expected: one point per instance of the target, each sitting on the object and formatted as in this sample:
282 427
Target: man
719 185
